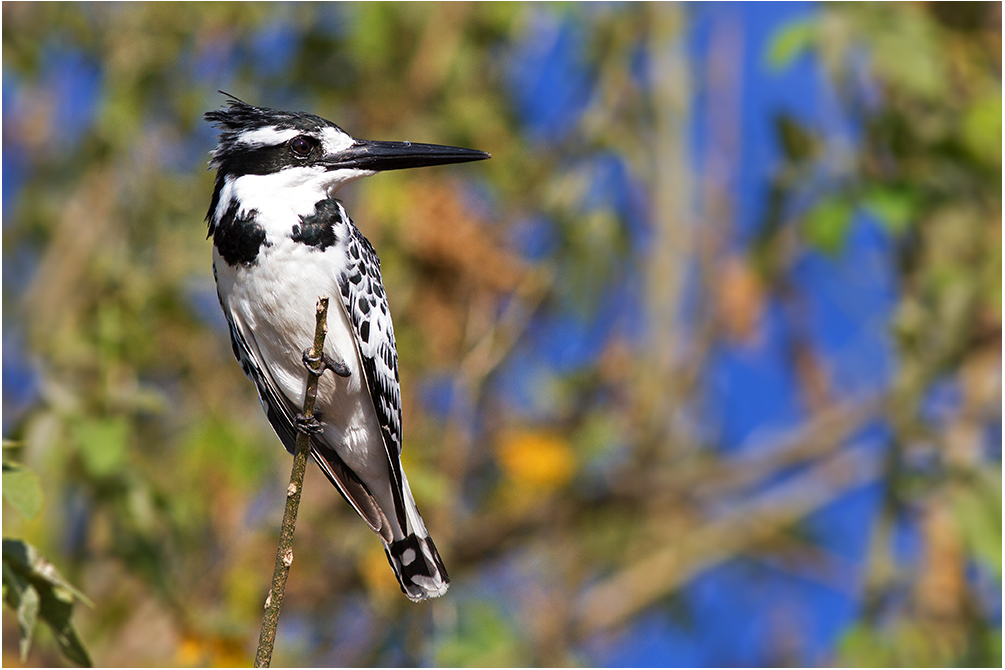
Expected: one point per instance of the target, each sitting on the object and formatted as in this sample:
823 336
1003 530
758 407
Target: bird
280 240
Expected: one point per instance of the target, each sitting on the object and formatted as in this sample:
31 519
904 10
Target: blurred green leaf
902 643
797 141
598 435
861 647
906 52
226 446
982 128
373 43
896 209
977 509
993 645
826 224
102 444
483 638
34 588
790 42
992 283
21 489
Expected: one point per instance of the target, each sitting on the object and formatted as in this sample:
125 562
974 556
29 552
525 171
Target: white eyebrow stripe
270 136
335 141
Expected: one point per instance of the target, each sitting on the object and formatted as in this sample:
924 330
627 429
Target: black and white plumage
281 239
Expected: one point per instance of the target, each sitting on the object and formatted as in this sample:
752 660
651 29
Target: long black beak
377 156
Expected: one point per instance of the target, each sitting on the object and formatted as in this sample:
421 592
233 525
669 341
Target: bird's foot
338 367
308 424
317 365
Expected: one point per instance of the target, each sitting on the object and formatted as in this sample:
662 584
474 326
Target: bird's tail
414 558
418 567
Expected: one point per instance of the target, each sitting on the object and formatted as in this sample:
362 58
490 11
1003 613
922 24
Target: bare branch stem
284 553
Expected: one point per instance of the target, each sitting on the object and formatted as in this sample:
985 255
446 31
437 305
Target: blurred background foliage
702 368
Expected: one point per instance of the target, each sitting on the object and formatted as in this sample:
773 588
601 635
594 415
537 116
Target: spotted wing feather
365 302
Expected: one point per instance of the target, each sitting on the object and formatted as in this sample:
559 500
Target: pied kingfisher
281 239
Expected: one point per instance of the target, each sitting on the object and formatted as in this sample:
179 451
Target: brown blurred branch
485 349
485 354
665 569
658 384
692 478
819 436
284 553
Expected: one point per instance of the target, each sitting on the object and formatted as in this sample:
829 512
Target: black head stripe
255 160
234 157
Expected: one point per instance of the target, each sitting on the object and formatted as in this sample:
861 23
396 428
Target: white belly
273 302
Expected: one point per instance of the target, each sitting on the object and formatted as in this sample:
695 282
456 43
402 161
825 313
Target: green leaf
34 589
789 43
862 647
826 224
483 639
993 646
102 444
896 209
27 618
796 140
907 55
22 490
982 128
22 597
26 560
57 610
977 512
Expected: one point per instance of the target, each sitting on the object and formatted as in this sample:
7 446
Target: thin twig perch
284 553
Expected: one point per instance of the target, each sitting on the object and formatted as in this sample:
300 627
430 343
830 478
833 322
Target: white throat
281 198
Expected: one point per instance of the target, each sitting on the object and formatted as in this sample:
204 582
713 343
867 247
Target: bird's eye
301 146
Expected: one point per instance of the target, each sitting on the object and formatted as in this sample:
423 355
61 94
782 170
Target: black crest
238 117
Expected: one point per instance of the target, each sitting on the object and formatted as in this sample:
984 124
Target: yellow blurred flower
536 459
197 650
377 574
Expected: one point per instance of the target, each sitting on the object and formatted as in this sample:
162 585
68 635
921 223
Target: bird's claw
316 365
338 367
308 424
